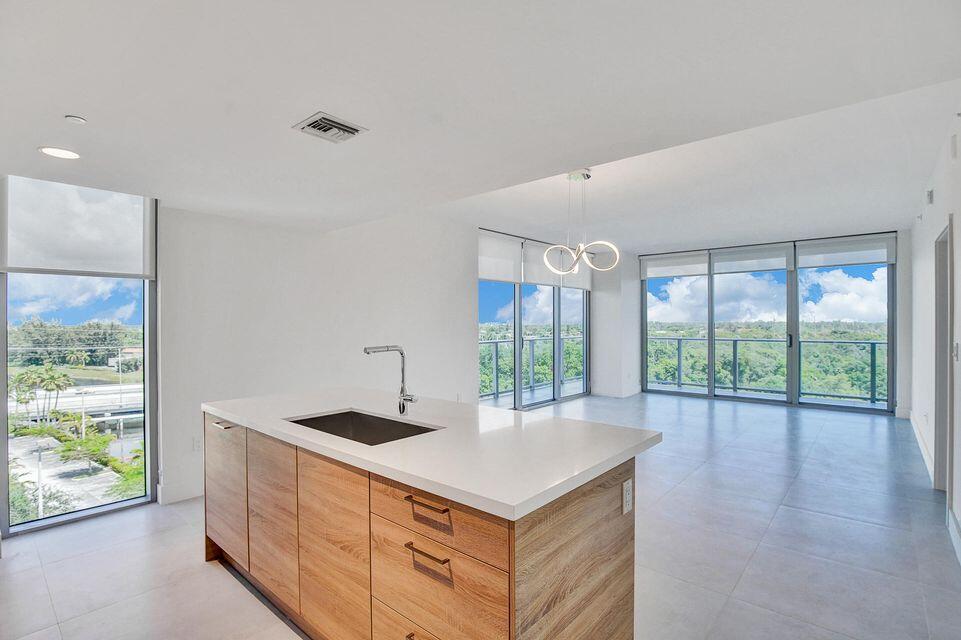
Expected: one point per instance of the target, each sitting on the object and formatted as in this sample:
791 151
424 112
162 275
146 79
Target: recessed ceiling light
56 152
76 119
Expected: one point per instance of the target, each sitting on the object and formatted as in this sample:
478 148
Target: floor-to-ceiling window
750 321
801 322
675 314
495 322
532 323
537 359
573 346
844 320
77 291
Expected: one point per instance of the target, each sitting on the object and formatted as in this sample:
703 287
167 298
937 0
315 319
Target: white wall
615 330
932 220
904 335
249 309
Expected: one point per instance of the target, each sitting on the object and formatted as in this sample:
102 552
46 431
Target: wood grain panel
272 516
334 509
460 599
390 625
225 488
574 565
478 534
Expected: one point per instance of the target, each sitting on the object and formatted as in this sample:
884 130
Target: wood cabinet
450 594
334 511
390 625
468 530
353 556
272 516
225 485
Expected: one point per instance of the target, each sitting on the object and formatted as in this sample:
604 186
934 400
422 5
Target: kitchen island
475 523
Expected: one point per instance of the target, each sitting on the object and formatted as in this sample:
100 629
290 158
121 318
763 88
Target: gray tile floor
762 521
752 522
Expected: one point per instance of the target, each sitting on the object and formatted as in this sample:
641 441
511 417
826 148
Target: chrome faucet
404 398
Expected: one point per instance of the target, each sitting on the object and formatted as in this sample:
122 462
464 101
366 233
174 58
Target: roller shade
535 271
834 252
767 257
499 257
49 226
693 263
509 259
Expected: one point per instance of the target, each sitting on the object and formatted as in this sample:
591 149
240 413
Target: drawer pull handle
410 636
223 426
413 500
411 547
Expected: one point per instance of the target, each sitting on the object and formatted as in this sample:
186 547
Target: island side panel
574 564
334 519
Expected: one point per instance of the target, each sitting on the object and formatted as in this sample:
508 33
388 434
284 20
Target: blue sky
74 299
495 303
491 298
857 293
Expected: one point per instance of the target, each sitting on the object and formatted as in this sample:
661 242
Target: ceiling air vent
323 125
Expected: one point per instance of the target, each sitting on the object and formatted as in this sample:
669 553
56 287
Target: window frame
792 397
150 383
518 403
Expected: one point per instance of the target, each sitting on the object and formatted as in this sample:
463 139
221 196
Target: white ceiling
854 169
193 101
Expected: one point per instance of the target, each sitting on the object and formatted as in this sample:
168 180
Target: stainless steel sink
362 428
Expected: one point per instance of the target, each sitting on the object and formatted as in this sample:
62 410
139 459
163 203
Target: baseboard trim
954 529
923 446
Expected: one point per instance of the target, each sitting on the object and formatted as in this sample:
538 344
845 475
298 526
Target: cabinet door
225 486
272 514
334 508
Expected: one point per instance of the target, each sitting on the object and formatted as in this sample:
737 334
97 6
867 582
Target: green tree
93 448
78 358
131 483
24 498
53 382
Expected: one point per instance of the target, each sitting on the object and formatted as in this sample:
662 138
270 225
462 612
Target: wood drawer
449 594
390 625
467 530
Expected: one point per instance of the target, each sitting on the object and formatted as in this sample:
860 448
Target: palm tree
53 381
78 358
21 390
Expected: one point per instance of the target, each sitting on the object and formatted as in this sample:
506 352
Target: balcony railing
530 382
876 392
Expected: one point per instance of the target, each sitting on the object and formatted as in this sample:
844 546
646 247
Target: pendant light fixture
566 258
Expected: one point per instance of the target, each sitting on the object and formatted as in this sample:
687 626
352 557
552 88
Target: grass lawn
91 375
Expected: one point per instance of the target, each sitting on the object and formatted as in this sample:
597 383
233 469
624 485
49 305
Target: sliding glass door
803 322
533 326
573 342
77 290
750 321
495 304
537 359
675 323
845 299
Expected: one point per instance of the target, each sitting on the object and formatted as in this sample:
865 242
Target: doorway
943 345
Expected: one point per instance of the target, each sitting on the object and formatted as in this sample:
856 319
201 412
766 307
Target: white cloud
846 297
685 301
32 294
538 307
746 297
121 314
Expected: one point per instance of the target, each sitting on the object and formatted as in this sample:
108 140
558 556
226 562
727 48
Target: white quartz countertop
508 463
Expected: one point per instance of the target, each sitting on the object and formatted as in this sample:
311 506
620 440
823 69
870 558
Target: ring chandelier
567 260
